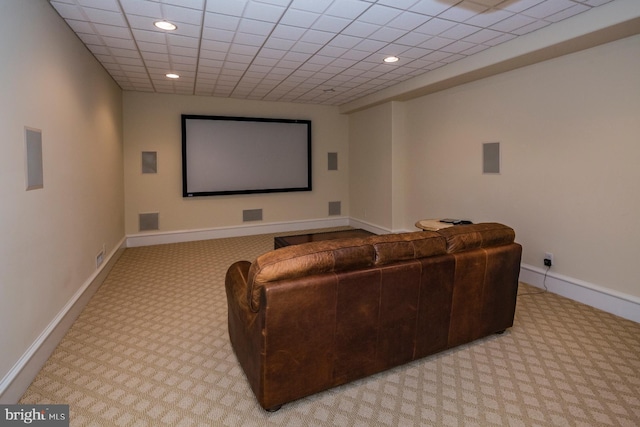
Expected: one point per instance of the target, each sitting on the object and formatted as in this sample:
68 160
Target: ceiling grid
309 51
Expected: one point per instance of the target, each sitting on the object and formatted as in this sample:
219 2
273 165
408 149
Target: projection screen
242 155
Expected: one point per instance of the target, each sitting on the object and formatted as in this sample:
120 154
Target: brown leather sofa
306 318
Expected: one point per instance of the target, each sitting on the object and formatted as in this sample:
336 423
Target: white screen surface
230 155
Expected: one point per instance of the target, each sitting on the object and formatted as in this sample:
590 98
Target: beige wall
370 166
569 132
49 238
152 123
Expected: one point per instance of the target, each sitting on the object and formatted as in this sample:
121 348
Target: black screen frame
215 192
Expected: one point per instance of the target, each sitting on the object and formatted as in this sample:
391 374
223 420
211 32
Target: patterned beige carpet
151 348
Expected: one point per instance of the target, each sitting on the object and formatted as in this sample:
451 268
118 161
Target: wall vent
335 208
149 221
252 215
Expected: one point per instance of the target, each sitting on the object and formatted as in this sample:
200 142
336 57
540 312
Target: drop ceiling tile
413 39
518 6
183 15
277 43
330 23
91 39
142 8
154 60
531 27
106 17
354 54
594 3
360 29
547 8
222 22
183 51
513 23
99 50
370 45
152 47
272 53
349 9
263 12
387 34
430 7
459 31
251 26
212 45
149 36
379 15
435 43
81 26
245 50
124 53
345 41
119 43
477 48
482 36
227 7
299 18
217 35
68 11
317 6
415 53
253 40
435 26
463 11
489 17
500 39
112 31
488 3
193 4
332 51
317 37
111 5
567 13
458 46
131 61
288 32
408 21
182 41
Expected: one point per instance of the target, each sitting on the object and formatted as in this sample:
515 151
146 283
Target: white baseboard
22 374
147 239
618 303
357 223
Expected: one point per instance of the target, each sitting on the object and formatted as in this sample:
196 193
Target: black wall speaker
149 162
332 160
491 157
33 146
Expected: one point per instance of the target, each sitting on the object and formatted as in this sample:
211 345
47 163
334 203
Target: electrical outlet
548 259
99 258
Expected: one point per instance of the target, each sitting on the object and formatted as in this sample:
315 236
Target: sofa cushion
475 236
407 246
305 260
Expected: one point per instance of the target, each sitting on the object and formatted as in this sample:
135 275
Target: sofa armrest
236 284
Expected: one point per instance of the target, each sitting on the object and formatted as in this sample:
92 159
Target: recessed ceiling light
391 59
165 25
172 75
